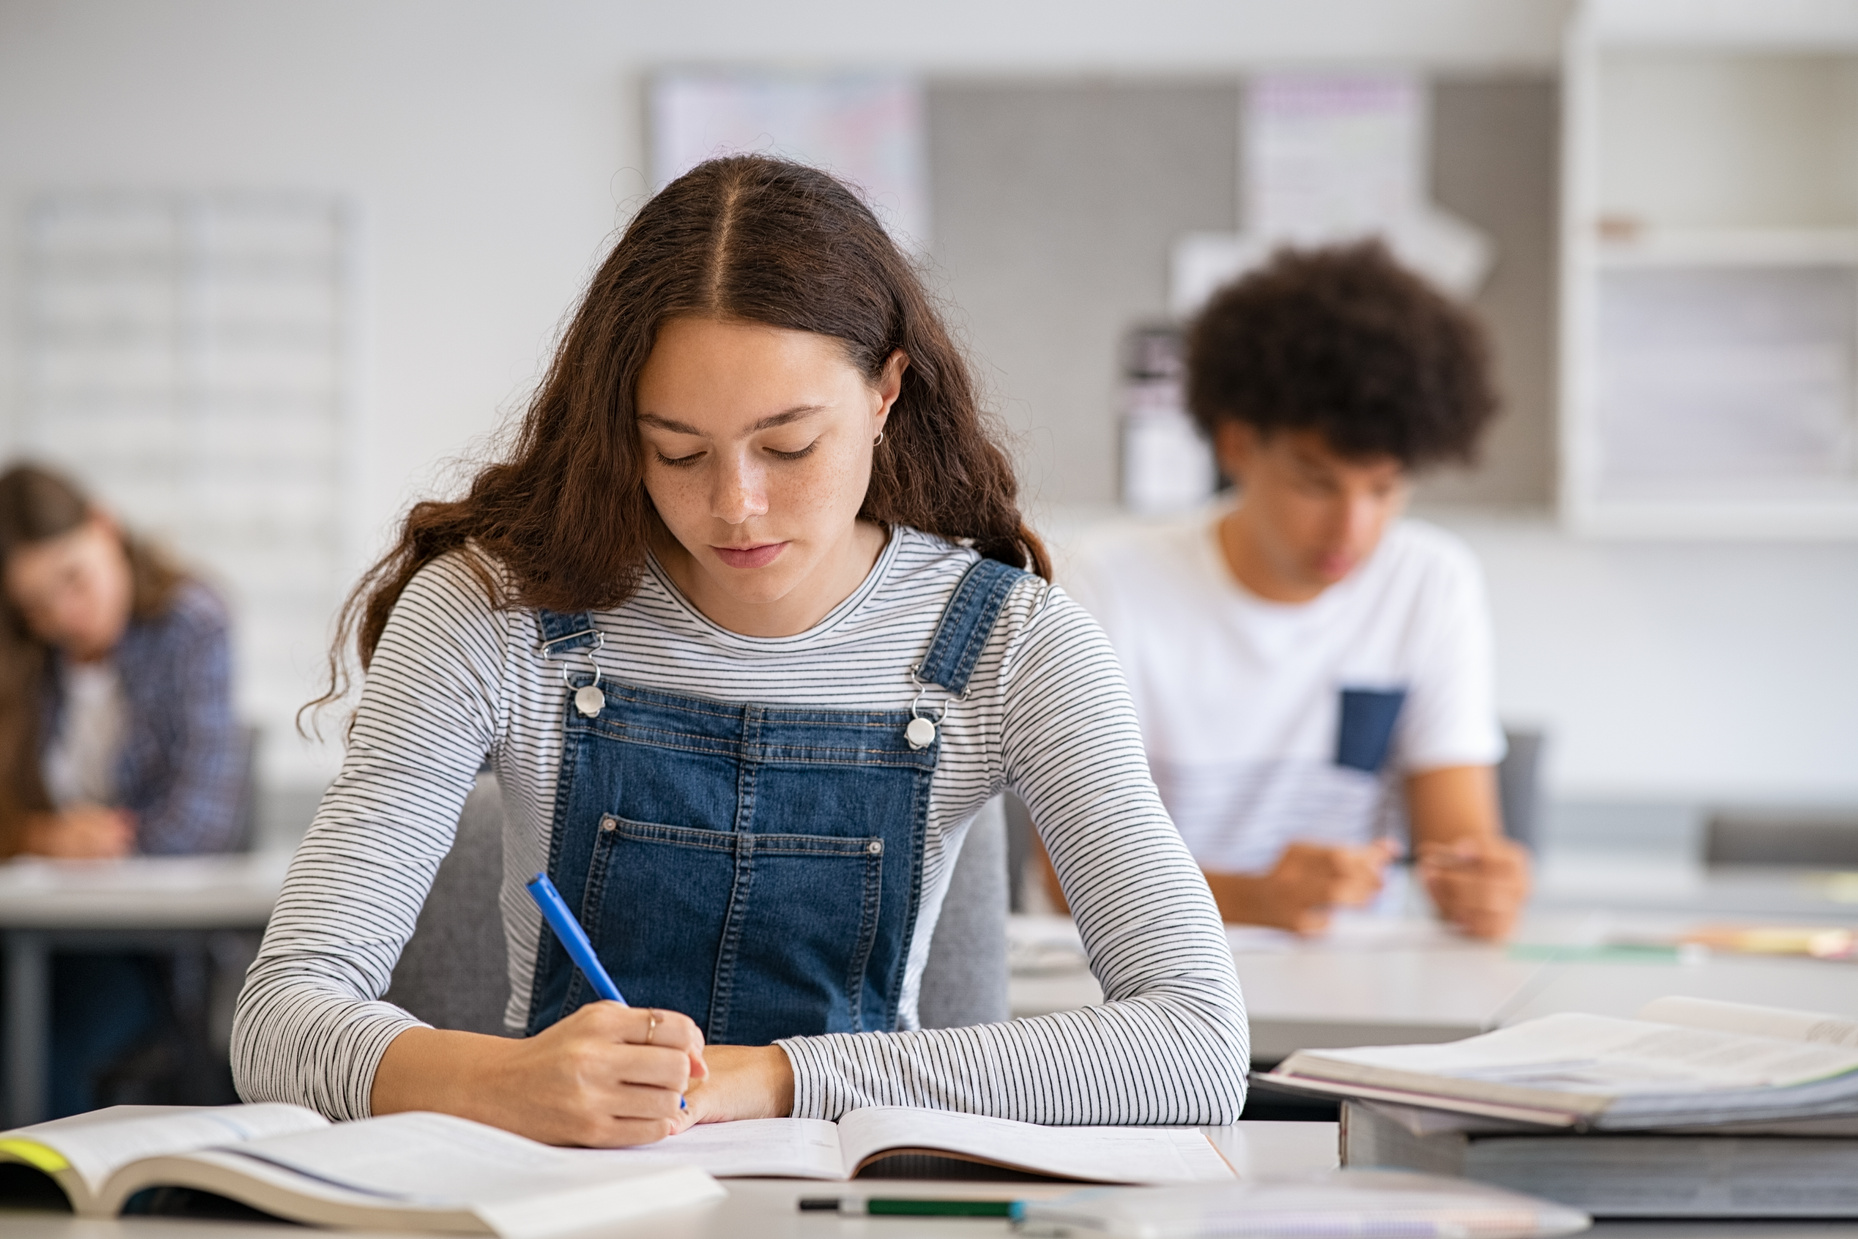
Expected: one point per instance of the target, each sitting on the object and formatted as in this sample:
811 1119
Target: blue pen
573 937
574 941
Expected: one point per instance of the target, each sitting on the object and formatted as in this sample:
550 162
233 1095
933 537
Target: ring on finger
651 1023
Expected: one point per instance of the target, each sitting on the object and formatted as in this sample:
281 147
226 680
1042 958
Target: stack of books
1693 1109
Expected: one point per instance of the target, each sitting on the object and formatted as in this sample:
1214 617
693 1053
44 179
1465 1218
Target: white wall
1674 671
495 147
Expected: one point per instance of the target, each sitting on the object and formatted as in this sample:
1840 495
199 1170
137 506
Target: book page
431 1159
1753 1020
94 1145
422 1171
1595 1055
762 1148
1099 1154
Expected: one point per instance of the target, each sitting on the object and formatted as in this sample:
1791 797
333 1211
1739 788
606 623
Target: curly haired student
1309 667
749 627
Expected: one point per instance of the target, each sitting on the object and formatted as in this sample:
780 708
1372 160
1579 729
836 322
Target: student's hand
1307 881
82 832
1479 883
745 1082
606 1076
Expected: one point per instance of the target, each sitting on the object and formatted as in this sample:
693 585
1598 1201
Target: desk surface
769 1207
143 892
1389 980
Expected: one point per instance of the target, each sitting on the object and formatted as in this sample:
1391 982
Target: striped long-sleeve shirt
455 681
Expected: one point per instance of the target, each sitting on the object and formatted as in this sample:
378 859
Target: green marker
879 1206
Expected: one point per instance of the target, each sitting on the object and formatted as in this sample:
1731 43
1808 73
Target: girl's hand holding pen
606 1076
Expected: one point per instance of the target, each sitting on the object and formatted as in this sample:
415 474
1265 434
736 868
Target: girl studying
749 627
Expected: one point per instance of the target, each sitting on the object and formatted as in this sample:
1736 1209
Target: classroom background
321 253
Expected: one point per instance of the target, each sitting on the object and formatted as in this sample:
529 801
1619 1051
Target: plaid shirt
182 768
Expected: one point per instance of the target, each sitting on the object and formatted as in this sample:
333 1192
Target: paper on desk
814 1149
1596 1054
1343 1204
427 1159
1752 1019
1105 1154
757 1148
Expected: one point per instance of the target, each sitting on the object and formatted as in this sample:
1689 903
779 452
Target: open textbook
816 1149
420 1172
434 1172
1683 1063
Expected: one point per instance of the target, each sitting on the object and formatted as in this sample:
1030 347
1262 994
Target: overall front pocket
755 937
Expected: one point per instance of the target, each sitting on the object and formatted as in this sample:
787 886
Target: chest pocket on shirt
1366 731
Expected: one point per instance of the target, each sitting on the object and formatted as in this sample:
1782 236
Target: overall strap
566 630
965 625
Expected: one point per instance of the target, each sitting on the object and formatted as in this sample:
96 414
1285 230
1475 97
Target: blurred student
1307 663
117 736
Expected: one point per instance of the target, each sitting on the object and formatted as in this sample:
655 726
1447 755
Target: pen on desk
574 941
882 1206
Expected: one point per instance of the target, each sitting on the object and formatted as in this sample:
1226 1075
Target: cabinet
1709 380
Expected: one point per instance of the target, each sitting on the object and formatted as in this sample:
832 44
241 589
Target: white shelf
1709 270
1729 247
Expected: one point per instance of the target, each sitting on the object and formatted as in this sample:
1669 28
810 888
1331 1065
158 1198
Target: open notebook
1684 1062
815 1149
418 1172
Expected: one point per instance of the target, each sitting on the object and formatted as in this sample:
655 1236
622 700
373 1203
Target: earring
879 440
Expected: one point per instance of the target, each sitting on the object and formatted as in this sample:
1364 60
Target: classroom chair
1519 785
1789 838
454 970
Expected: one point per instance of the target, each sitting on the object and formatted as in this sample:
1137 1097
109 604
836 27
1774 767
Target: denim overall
755 867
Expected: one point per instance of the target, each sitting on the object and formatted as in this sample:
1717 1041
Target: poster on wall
1328 158
866 129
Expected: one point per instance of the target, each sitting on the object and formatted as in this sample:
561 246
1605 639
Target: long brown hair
746 238
36 505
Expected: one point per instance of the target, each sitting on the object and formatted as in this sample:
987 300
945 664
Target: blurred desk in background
1631 884
1391 980
146 903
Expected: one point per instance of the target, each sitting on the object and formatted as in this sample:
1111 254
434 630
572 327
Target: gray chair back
965 981
1793 838
1519 786
454 971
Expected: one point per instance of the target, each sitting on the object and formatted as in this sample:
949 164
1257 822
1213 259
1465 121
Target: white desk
144 903
769 1207
1390 981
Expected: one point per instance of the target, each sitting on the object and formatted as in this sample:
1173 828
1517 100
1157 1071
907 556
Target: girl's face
757 443
74 590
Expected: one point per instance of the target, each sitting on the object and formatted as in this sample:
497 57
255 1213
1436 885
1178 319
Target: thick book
816 1149
1617 1174
413 1172
1682 1063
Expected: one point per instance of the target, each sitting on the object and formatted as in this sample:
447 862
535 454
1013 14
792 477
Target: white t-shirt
1271 722
80 762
